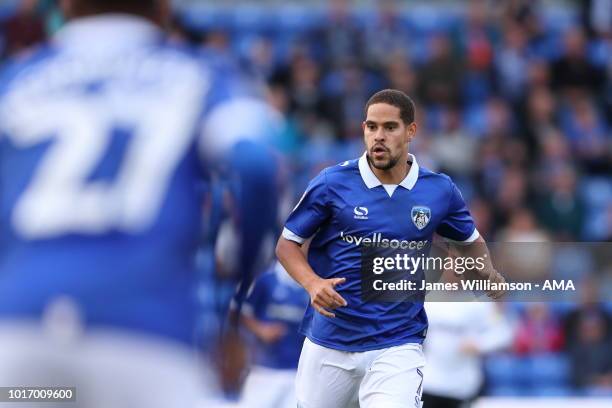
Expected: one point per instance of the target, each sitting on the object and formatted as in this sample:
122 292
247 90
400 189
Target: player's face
386 136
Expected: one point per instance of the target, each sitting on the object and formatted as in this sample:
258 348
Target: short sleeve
310 212
458 224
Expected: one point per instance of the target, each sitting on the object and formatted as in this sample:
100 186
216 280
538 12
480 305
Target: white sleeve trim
291 236
469 240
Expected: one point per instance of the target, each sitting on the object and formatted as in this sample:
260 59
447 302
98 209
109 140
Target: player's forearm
479 253
294 261
478 250
251 324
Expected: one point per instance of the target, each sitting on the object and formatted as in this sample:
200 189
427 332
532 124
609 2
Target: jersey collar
107 31
371 181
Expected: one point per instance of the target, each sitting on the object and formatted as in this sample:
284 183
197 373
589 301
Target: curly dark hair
395 98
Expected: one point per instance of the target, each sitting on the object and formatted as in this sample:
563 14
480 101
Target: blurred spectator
539 111
217 42
439 78
481 212
459 336
512 61
597 17
590 307
525 14
525 252
386 36
559 207
498 117
272 314
590 355
25 28
341 35
588 135
261 58
477 39
539 331
454 149
307 103
522 227
347 90
511 198
289 139
538 74
573 73
400 74
554 150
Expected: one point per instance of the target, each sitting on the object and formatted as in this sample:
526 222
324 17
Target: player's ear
363 128
411 131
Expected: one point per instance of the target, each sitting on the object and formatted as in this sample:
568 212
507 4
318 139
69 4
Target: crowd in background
514 102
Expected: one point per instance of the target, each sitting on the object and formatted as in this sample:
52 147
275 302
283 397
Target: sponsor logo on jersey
361 213
376 240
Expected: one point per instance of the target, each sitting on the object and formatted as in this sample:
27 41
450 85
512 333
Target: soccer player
105 136
273 311
358 353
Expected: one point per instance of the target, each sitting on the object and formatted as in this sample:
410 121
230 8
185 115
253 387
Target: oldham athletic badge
420 216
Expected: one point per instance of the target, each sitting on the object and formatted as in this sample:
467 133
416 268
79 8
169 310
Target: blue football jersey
346 207
276 298
105 135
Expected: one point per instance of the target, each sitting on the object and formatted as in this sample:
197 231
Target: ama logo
361 213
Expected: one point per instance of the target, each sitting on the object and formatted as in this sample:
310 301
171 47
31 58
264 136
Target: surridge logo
361 213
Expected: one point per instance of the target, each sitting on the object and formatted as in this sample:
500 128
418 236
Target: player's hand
271 332
497 278
323 295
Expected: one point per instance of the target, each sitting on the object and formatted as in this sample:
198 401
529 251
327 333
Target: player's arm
266 332
478 250
256 302
307 217
458 227
323 296
236 128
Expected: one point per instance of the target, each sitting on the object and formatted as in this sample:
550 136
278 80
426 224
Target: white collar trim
371 181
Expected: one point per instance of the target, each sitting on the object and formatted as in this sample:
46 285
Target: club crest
420 216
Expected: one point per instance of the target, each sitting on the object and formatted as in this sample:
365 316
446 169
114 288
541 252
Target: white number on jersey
59 199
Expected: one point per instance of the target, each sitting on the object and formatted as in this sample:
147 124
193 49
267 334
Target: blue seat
507 370
549 370
505 391
552 391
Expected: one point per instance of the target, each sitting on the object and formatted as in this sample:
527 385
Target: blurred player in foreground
359 353
460 334
273 311
106 134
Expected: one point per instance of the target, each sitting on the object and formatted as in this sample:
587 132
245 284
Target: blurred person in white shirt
460 334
